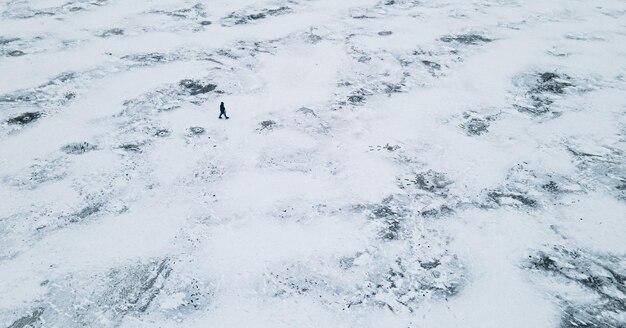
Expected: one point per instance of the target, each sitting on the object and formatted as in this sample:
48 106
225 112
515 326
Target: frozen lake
393 163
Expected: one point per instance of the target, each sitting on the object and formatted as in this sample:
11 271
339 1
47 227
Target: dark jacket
222 108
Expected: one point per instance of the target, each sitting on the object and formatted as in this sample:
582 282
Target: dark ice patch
398 285
358 97
307 111
591 316
131 147
346 262
256 16
552 187
127 292
390 88
84 213
437 212
407 282
278 11
195 12
267 125
53 93
476 124
400 4
69 95
432 181
430 265
17 10
552 83
511 199
391 220
227 53
525 179
244 17
196 130
255 47
24 118
543 89
432 65
151 58
89 210
194 87
140 286
64 77
607 168
361 16
16 53
162 133
5 41
390 214
30 320
469 39
601 275
112 32
78 148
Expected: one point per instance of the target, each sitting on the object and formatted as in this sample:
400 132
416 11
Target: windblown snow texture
391 163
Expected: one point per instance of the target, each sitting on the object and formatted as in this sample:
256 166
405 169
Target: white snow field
387 163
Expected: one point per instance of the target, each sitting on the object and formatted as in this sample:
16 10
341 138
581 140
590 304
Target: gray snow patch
469 39
78 148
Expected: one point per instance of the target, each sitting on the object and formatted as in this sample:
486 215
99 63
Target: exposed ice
387 163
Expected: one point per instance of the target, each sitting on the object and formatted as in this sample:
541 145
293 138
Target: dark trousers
223 113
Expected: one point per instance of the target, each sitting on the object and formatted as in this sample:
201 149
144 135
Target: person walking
223 111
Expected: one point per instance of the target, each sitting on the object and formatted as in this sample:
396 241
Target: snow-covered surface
389 163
